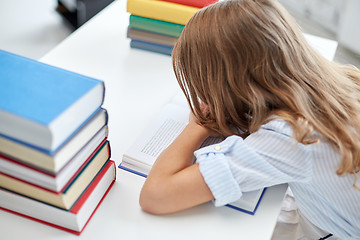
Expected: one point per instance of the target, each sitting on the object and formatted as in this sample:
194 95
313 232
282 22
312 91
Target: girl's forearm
174 183
179 154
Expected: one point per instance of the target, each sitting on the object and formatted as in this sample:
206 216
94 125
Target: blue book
42 106
153 47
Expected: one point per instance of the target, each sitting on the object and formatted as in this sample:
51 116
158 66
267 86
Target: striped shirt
272 156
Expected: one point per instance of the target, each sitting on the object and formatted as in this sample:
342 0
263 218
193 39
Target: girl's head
248 60
239 57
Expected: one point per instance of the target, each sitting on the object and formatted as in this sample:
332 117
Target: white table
138 84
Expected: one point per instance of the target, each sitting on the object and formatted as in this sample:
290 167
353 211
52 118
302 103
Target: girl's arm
174 183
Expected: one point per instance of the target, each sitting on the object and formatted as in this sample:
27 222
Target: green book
156 26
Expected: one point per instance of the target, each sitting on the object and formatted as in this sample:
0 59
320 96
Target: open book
159 134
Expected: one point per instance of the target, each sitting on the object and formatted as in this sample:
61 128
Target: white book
159 134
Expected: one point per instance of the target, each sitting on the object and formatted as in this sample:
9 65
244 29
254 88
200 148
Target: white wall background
341 17
31 27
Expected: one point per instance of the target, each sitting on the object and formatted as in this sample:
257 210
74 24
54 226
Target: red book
74 220
193 3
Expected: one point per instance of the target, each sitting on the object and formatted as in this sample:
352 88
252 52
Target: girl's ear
204 109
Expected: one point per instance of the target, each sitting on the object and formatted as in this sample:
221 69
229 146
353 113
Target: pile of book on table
155 25
55 164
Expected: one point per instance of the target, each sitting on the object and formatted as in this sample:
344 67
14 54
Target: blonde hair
248 60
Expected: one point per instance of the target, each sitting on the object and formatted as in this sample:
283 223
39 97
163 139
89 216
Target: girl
246 68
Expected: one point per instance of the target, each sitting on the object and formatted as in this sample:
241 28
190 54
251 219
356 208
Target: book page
158 135
162 138
248 200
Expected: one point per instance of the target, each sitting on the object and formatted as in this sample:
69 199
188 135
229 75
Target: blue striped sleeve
217 173
265 158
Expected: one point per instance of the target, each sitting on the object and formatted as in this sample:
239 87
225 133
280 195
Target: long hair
248 61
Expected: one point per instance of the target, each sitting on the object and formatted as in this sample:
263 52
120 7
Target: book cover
150 37
159 134
68 197
194 3
53 163
42 105
161 10
156 26
152 47
73 221
249 201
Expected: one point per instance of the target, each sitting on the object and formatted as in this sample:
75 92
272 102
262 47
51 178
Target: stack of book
55 164
155 25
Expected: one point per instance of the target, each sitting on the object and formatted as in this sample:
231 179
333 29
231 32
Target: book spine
193 3
151 47
156 26
150 37
161 10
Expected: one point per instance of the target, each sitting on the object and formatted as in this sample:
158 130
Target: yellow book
161 10
69 196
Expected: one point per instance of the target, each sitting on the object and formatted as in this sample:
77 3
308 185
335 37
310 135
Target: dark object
326 237
77 12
